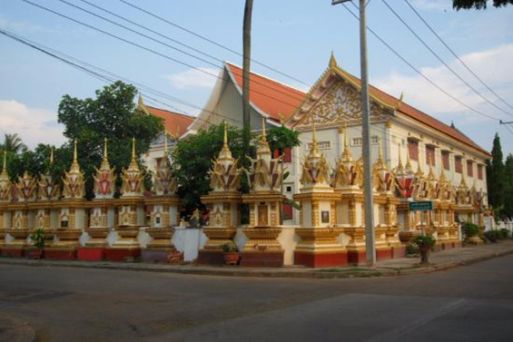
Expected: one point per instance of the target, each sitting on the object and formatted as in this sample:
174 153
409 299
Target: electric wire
462 62
204 38
153 51
440 59
397 54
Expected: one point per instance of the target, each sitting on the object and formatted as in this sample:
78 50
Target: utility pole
370 247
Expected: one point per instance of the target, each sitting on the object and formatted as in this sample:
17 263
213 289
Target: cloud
33 125
194 78
490 65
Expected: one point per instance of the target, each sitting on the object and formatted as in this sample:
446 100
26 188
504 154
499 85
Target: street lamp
366 151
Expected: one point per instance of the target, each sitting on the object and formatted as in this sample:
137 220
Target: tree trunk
246 64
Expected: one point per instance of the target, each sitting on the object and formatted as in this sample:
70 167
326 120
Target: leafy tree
13 144
112 115
478 4
495 176
192 160
192 157
508 191
280 138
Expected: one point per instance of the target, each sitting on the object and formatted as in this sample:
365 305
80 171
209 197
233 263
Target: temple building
404 132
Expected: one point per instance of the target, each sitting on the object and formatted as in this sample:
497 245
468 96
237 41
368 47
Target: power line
456 56
204 38
163 36
101 75
150 49
114 36
440 58
395 52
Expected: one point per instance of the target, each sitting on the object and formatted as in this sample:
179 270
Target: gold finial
4 167
105 148
333 61
75 153
380 151
346 154
400 163
264 135
133 148
314 138
141 106
165 143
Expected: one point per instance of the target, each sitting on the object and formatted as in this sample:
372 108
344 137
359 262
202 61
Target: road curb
334 273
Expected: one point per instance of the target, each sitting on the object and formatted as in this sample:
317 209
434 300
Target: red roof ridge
169 111
269 78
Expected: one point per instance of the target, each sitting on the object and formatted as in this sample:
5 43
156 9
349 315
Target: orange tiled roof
418 115
173 122
277 100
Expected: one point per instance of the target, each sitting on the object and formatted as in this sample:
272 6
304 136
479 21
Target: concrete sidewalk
438 261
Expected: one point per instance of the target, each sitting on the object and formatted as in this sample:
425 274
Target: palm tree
13 143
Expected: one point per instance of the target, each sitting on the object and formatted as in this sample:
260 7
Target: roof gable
175 123
273 98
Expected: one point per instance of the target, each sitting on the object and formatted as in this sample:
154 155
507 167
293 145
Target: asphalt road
472 303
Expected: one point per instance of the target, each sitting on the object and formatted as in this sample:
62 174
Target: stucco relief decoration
73 181
132 177
26 187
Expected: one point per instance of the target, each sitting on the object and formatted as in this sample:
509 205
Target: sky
295 38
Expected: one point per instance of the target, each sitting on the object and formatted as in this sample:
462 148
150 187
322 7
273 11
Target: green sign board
421 206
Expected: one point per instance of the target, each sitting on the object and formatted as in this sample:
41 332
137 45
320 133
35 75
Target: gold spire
419 172
105 161
346 154
4 165
75 154
141 106
400 163
165 144
380 151
105 148
225 152
314 150
264 135
333 61
263 145
74 165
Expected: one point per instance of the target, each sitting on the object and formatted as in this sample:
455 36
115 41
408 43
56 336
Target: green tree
478 4
192 160
112 115
495 176
508 190
13 144
281 137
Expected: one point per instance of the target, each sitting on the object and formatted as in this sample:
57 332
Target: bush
424 241
412 249
492 235
470 229
38 238
504 233
229 247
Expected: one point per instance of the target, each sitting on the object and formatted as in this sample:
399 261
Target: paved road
473 303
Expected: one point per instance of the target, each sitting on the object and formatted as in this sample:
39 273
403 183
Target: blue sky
295 37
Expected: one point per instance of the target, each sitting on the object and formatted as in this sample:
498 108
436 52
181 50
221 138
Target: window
323 145
458 166
413 149
445 160
430 155
359 141
480 172
470 168
287 211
